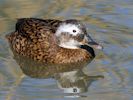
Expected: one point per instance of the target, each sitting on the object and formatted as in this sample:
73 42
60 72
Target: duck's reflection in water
70 77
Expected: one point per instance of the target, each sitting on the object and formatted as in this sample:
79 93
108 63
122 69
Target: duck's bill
95 45
89 41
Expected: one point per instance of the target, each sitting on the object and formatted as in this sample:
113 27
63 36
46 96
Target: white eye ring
68 28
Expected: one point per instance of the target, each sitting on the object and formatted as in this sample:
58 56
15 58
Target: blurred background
110 22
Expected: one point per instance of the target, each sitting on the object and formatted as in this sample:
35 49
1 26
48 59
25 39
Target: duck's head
72 34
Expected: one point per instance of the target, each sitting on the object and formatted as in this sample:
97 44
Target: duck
52 41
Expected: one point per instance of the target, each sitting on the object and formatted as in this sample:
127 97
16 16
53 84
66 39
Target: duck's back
34 38
31 26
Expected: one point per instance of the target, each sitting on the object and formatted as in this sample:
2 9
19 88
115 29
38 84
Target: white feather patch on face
68 28
71 44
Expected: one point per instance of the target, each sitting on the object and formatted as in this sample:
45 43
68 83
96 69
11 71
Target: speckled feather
35 38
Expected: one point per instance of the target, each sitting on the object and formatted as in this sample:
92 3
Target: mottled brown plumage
35 38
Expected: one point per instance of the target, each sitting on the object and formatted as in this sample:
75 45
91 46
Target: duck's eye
74 31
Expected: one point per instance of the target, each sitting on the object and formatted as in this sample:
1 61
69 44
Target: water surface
109 22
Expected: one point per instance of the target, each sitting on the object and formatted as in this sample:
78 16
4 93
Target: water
110 22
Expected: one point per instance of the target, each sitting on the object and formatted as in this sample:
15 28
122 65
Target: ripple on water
109 22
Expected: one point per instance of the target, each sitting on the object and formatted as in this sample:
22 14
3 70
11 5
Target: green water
110 22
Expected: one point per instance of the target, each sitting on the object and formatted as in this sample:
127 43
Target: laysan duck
52 41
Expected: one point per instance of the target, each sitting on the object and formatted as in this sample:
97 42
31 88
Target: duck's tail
11 35
8 36
19 23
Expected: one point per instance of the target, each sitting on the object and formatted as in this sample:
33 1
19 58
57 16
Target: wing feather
30 27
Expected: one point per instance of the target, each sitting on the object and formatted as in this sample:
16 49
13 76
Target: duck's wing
30 27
